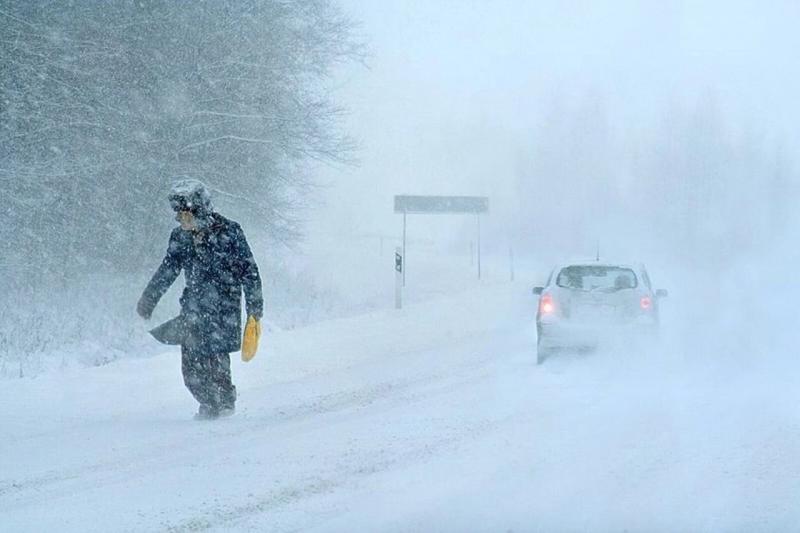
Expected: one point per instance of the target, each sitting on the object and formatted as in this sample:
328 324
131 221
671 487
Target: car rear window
590 278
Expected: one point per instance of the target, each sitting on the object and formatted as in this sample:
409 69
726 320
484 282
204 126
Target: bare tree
102 103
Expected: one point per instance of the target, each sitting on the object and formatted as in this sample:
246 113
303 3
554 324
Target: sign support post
398 278
479 245
404 247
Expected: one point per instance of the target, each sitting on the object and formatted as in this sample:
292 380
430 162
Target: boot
206 412
226 410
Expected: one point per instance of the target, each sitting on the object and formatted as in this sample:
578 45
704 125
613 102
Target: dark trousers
208 378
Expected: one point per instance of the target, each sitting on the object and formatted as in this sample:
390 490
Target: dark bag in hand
172 331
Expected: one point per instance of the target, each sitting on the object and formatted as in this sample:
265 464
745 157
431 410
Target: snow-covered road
434 418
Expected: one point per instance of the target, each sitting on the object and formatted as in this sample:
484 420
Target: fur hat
190 195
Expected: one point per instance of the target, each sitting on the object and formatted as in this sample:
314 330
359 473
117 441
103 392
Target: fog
655 133
638 103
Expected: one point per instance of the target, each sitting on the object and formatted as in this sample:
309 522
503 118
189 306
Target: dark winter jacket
217 264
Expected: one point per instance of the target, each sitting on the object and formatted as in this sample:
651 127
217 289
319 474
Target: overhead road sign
440 204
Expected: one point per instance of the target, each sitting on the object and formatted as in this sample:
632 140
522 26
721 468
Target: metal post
404 248
398 278
479 247
511 261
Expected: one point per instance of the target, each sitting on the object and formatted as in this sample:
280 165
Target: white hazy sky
454 88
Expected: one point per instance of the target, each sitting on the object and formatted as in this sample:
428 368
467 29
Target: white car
583 303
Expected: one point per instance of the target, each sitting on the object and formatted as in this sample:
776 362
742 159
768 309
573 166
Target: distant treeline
693 184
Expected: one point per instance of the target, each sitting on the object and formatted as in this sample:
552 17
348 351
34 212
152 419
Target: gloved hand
144 308
252 333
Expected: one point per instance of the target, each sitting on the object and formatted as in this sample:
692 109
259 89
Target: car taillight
546 305
646 303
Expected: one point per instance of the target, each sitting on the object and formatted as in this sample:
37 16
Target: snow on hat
190 195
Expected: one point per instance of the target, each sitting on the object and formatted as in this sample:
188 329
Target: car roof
639 268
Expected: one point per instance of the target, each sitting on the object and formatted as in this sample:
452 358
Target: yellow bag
252 332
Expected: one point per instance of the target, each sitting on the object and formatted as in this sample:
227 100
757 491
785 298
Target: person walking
218 266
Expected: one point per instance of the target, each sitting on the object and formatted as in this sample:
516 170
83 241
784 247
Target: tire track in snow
346 474
15 493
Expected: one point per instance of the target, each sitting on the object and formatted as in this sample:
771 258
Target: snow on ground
433 418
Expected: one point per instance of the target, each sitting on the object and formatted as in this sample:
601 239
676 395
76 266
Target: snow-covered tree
102 103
